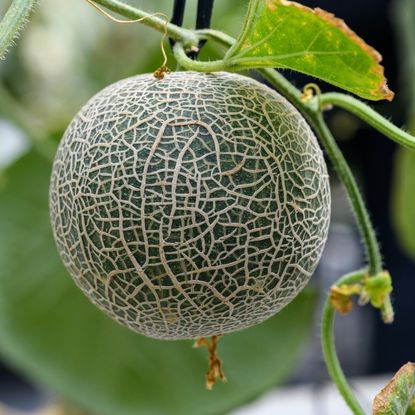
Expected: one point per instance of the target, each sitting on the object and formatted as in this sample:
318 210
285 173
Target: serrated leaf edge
341 25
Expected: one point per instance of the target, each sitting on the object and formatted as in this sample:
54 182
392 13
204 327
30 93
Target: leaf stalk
370 116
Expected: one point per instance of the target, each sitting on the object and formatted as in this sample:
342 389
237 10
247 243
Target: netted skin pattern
190 206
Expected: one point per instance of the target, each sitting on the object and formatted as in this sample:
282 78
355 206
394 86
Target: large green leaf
395 397
285 34
51 332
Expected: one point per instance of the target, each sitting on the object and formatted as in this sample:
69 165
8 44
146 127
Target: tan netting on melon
190 206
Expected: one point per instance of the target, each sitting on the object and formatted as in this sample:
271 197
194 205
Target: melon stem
215 363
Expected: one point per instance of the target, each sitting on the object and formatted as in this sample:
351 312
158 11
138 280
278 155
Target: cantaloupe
190 206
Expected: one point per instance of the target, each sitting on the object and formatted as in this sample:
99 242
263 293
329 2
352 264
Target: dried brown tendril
215 364
309 91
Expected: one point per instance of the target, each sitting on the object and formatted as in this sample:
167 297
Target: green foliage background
403 200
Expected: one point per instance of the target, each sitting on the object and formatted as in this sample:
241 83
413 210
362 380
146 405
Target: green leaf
395 397
285 34
403 200
377 288
13 22
411 408
52 332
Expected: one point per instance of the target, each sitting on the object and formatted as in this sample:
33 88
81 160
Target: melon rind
190 206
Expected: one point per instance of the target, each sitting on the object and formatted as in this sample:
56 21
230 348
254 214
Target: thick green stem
275 78
282 85
346 176
193 65
340 164
219 37
13 22
370 116
329 348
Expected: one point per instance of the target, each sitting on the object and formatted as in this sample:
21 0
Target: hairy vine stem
370 116
356 199
13 22
329 347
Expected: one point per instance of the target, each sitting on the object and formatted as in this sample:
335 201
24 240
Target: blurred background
61 356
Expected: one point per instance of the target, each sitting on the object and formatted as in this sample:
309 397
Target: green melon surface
190 206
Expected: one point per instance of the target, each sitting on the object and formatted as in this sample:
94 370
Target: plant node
374 290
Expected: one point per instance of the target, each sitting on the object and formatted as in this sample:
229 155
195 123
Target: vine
370 116
329 348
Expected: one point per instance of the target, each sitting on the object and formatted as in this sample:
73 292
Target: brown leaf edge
341 25
381 401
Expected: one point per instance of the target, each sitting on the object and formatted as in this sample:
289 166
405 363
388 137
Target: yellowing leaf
395 397
285 34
